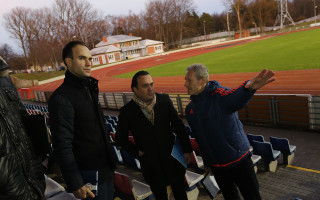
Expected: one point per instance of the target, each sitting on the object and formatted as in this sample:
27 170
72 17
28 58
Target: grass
294 51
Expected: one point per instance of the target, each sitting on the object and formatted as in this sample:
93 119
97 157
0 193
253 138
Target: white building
121 47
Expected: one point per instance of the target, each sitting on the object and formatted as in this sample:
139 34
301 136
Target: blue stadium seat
258 138
282 144
129 160
269 156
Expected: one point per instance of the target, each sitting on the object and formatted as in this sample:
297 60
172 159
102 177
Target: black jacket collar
79 82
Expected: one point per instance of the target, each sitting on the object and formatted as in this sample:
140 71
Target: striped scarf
148 108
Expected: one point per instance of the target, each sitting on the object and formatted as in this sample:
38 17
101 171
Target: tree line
42 33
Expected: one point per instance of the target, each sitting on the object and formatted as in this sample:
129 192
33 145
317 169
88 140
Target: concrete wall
22 83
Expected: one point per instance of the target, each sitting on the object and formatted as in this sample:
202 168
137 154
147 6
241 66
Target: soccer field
294 51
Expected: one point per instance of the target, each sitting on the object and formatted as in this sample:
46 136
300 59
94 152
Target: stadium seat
115 118
194 145
193 179
256 159
196 161
282 144
110 128
131 139
129 160
258 138
269 156
127 189
113 136
116 154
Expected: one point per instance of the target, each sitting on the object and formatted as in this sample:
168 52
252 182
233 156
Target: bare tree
6 52
237 5
181 8
16 24
262 12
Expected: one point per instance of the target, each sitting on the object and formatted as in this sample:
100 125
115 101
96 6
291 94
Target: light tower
283 13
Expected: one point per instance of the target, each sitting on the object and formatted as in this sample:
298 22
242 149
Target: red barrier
26 93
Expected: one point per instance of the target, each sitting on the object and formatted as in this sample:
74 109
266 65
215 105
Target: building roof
132 48
114 39
104 49
148 42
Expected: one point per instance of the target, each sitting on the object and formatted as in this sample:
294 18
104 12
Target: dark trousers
241 176
158 187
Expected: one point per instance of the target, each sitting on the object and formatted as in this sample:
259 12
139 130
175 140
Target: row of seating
37 109
271 151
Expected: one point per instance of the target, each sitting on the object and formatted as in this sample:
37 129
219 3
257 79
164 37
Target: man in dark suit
151 118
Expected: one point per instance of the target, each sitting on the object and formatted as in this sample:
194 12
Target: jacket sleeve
179 128
235 99
62 121
122 134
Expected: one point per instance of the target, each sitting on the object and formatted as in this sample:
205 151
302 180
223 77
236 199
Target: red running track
287 82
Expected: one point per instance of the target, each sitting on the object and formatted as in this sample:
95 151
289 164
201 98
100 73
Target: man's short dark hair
67 50
134 82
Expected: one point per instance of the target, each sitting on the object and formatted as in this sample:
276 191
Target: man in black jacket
151 118
21 172
79 137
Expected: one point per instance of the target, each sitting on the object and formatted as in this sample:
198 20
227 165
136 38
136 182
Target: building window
110 56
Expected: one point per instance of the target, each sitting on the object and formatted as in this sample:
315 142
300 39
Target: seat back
131 139
110 127
264 149
280 144
193 161
116 154
113 136
252 137
128 159
194 145
122 184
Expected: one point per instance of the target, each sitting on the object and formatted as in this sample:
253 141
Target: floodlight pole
204 30
315 11
283 13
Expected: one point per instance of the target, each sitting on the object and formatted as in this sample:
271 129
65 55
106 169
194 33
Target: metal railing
287 111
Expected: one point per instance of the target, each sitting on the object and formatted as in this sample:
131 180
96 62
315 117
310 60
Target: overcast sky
117 7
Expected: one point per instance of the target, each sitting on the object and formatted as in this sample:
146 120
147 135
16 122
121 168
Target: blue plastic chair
252 137
282 144
129 160
265 150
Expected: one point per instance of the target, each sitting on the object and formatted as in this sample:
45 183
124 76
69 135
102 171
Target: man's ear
68 61
134 89
203 81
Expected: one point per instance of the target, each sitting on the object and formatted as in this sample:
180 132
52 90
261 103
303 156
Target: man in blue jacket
212 115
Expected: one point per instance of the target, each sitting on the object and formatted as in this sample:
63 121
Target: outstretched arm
263 78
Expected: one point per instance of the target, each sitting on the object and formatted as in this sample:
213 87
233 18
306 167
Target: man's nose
88 62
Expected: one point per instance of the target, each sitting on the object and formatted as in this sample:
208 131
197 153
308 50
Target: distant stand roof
148 42
114 39
104 49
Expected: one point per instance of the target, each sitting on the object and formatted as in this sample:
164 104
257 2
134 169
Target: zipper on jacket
89 94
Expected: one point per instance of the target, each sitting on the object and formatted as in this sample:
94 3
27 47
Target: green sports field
294 51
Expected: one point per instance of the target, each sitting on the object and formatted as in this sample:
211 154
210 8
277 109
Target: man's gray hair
200 71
